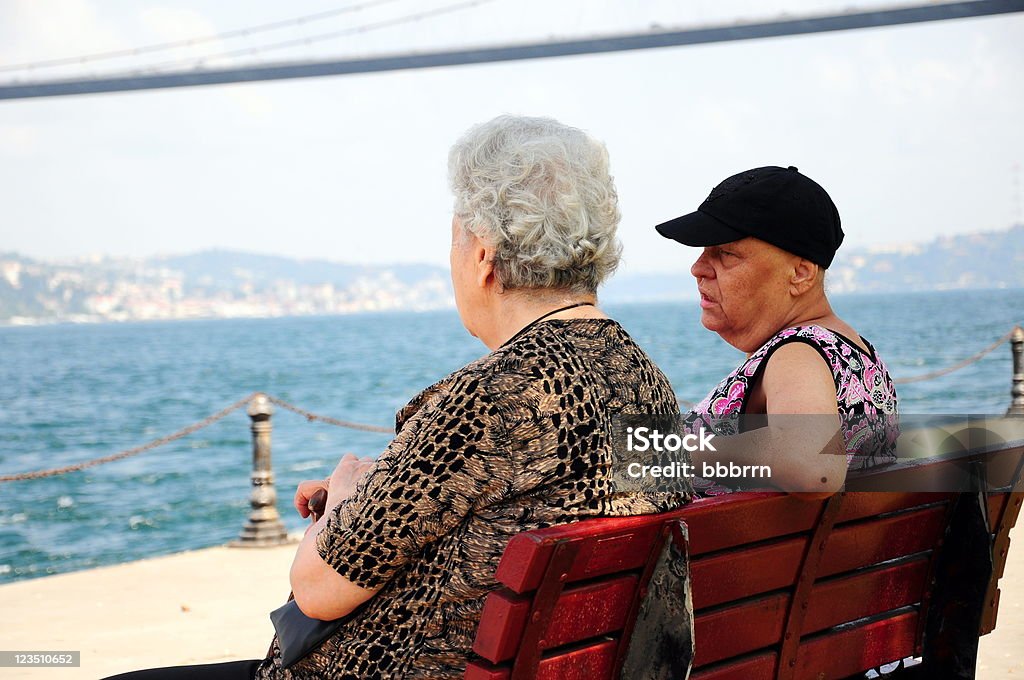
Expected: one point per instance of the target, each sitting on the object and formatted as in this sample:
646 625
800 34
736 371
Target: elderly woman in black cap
768 235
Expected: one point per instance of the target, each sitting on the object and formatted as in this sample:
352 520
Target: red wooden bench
781 588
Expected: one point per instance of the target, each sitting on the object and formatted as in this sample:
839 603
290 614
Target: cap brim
699 229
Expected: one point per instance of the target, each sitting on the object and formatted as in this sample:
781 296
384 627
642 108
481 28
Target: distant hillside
986 260
222 283
228 269
210 284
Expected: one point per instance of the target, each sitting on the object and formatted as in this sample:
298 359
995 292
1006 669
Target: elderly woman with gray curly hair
520 439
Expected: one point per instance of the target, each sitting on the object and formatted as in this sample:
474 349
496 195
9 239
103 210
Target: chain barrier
311 417
185 431
327 419
955 367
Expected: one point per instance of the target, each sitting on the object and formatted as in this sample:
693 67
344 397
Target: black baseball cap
777 205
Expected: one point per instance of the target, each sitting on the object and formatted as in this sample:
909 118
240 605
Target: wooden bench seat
781 587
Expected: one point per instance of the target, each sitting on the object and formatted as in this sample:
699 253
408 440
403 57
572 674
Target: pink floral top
863 388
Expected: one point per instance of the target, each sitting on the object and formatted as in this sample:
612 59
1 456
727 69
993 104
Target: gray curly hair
540 192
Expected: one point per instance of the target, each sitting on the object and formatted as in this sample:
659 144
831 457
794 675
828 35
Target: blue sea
70 393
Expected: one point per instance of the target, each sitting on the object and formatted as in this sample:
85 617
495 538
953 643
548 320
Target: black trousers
231 670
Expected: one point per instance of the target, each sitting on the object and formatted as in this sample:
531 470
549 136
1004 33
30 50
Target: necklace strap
544 316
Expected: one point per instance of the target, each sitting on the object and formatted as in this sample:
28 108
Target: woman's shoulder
833 345
502 372
825 337
556 344
573 346
471 377
592 359
858 371
810 333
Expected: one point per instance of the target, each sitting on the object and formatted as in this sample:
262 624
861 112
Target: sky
915 131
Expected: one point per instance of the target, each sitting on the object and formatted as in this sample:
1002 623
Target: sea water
71 393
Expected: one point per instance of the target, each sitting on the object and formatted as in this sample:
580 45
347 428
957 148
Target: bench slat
582 612
760 667
737 630
862 505
625 547
595 662
865 594
842 653
868 543
717 525
729 576
592 662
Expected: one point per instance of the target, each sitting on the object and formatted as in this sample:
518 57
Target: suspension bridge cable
190 42
298 42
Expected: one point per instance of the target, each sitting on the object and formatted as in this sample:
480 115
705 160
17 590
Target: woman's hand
346 475
305 492
338 486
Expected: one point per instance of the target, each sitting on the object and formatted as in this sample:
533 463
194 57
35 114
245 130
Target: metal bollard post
1017 390
264 527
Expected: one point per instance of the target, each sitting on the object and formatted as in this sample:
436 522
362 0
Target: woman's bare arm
319 590
805 451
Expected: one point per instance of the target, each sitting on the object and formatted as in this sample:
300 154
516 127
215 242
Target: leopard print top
517 440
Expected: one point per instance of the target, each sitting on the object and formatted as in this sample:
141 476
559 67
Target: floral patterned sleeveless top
863 388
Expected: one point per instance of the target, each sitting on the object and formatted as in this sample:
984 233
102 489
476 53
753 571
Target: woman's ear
483 256
805 275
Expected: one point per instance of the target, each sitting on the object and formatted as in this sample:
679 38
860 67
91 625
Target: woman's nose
701 269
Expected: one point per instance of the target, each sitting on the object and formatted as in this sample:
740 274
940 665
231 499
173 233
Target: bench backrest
782 587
